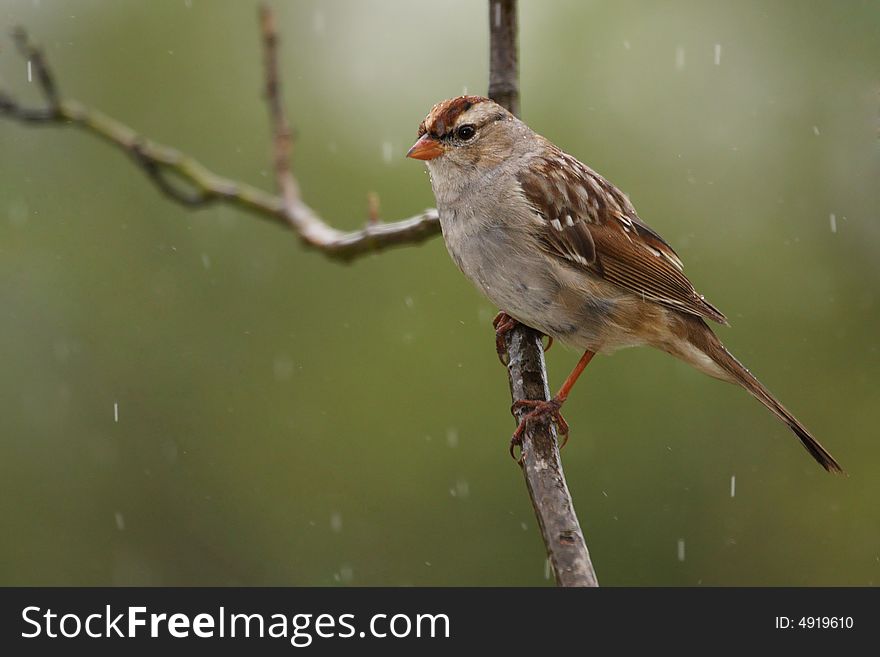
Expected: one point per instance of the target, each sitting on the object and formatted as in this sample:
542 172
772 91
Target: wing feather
591 224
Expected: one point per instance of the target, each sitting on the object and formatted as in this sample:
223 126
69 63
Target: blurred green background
283 419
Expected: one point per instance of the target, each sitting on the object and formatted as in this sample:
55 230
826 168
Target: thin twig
188 182
281 137
34 56
542 467
372 207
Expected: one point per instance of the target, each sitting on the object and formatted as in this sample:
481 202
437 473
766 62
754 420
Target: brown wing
590 223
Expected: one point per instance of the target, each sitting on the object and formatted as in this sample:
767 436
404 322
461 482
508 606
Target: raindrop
170 451
497 14
346 574
679 58
408 302
733 485
681 549
717 54
626 45
462 489
336 522
546 568
17 213
116 411
206 261
30 76
816 130
833 221
387 152
120 521
318 23
282 367
452 437
61 349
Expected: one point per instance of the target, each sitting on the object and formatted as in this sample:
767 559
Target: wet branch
184 180
542 467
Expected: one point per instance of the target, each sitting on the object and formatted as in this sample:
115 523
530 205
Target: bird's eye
466 132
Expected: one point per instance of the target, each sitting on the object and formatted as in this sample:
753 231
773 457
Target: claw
514 443
503 323
542 411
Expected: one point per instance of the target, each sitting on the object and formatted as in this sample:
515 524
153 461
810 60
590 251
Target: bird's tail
699 335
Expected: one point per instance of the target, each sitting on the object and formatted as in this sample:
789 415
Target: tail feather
706 341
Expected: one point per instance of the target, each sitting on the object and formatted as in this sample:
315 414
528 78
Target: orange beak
426 148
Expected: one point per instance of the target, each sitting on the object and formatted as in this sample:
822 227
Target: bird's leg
503 324
543 411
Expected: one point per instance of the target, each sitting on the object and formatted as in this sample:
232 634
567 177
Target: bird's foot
503 324
543 412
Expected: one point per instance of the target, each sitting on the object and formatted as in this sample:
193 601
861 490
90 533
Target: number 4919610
815 623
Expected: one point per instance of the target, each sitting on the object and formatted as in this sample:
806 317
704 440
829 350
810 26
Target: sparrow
559 248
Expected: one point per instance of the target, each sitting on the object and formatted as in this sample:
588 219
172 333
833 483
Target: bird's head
466 135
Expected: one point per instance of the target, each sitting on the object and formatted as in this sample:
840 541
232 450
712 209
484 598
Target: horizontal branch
185 180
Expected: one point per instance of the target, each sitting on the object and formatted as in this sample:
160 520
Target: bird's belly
570 307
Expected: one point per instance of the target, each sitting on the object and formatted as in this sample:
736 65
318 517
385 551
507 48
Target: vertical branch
542 467
503 55
282 140
312 230
34 56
